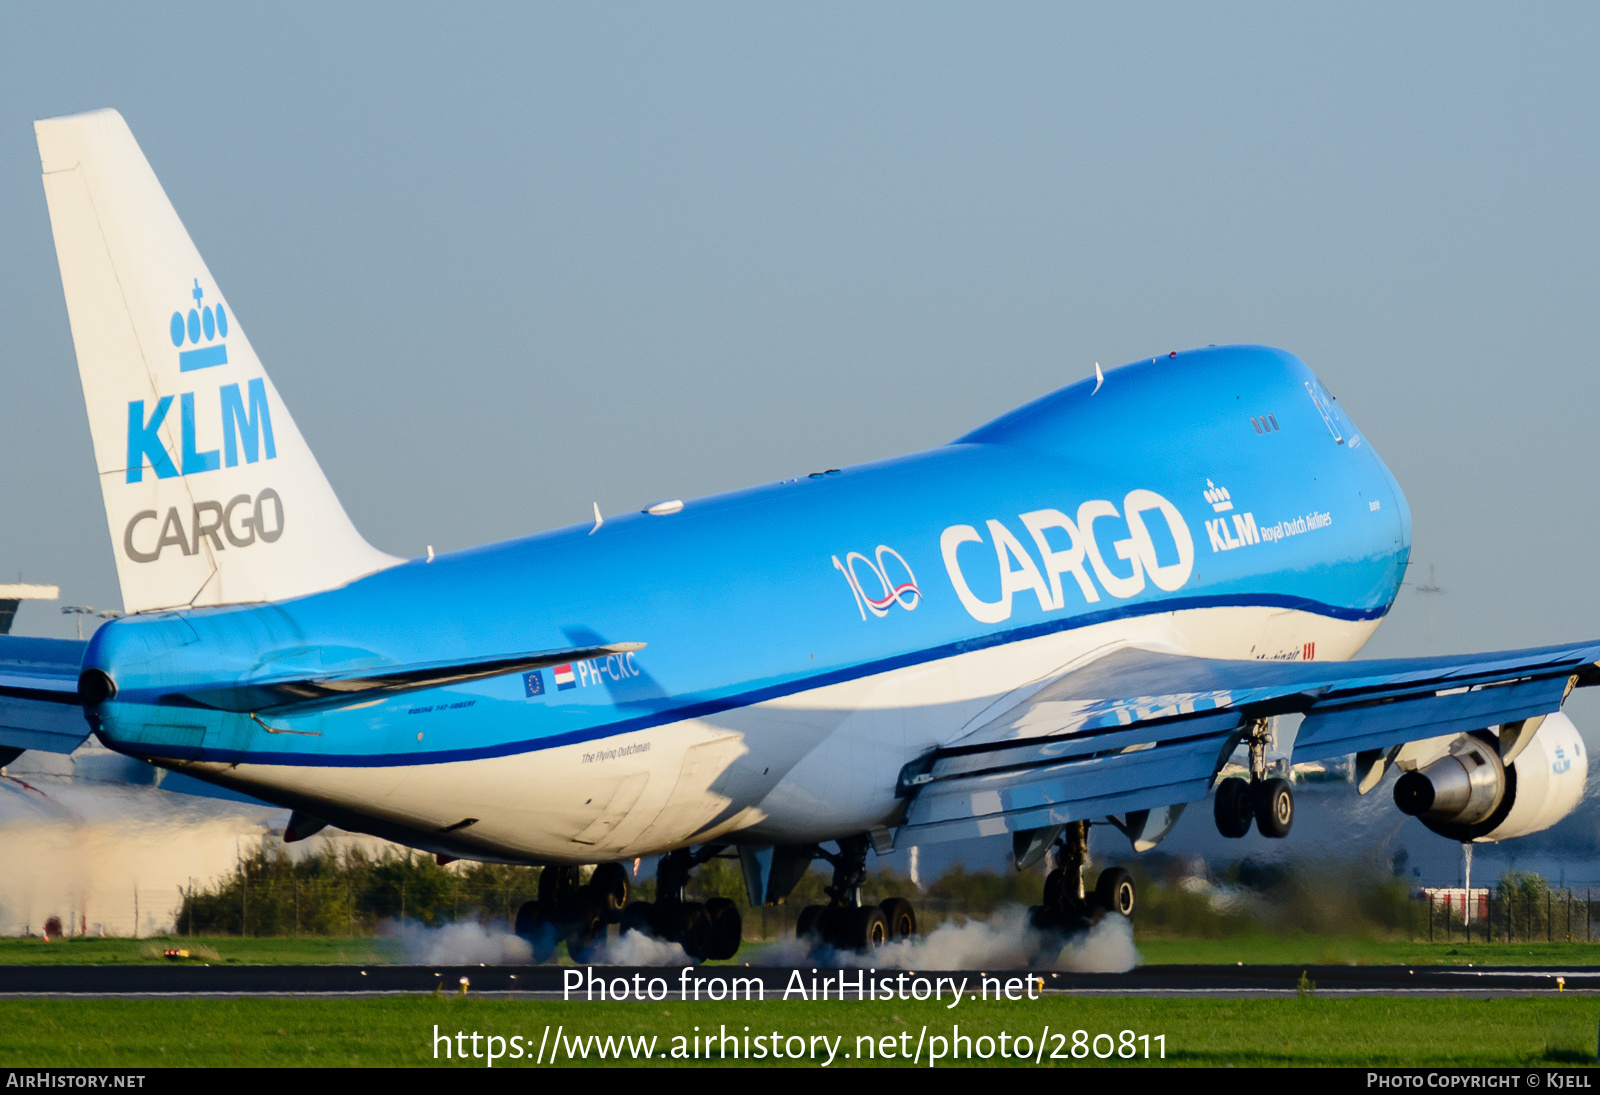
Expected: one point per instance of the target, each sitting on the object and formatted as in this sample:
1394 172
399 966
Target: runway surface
550 982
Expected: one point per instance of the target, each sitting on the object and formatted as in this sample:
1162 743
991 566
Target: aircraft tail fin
211 493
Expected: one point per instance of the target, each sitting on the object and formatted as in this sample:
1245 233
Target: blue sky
503 262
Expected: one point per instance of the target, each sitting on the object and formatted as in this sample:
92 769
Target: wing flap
39 706
1138 729
954 763
1326 732
988 805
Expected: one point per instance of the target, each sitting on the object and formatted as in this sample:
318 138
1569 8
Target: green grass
398 1031
306 950
1325 950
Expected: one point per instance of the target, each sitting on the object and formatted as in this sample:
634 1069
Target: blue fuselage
777 590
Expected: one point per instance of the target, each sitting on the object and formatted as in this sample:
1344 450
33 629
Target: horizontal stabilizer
360 686
39 706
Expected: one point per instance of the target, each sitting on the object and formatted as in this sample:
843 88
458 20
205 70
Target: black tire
901 916
638 916
1232 807
810 922
692 930
559 891
727 928
866 928
527 919
609 888
535 928
1274 802
586 927
1115 892
1055 889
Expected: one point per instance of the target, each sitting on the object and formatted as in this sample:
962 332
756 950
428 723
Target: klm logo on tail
245 417
203 319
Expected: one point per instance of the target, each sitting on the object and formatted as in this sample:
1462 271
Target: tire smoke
1005 940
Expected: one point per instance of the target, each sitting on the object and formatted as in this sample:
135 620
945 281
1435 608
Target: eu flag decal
534 683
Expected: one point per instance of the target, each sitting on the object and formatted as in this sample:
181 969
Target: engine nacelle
1468 795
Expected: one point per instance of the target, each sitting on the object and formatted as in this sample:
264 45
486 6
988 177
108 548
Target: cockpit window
1324 401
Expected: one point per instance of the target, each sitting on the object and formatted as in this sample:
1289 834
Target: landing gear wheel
692 930
1115 891
1055 884
608 888
559 889
534 928
810 923
1232 807
637 917
527 919
1065 909
585 928
727 928
1274 802
901 916
867 928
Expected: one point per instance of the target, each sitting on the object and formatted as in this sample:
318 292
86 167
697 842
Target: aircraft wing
39 687
39 706
1140 729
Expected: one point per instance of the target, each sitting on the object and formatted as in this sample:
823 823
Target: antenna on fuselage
1099 377
598 520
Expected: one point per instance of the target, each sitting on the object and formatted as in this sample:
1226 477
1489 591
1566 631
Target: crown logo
1219 498
204 322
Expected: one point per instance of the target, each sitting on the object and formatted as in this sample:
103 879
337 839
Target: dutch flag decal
564 677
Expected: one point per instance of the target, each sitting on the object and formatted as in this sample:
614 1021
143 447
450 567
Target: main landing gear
1270 802
844 922
712 929
572 911
1067 906
578 913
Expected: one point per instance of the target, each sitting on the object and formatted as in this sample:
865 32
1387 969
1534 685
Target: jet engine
1468 794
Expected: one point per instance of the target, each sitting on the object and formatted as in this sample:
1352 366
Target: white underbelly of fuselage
814 765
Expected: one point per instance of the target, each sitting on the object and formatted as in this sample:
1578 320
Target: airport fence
1522 914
